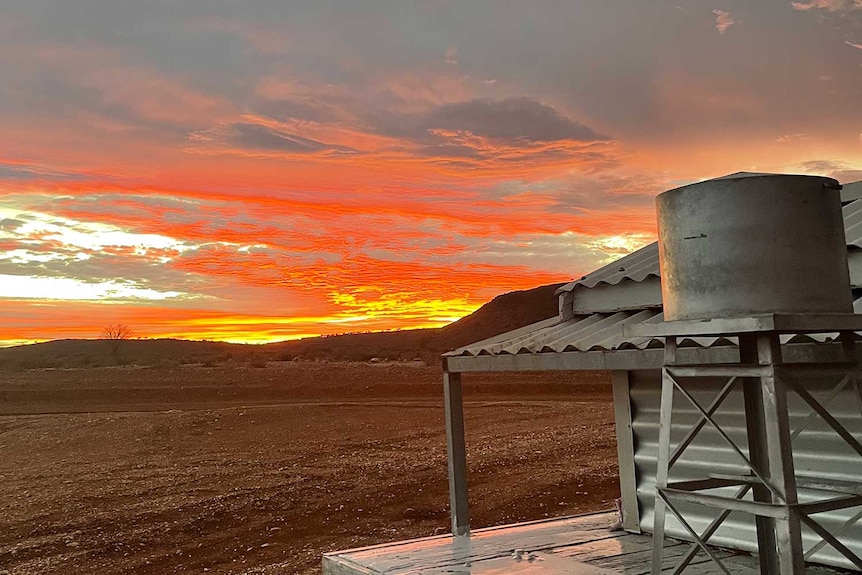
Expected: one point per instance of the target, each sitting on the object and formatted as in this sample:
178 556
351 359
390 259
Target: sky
271 169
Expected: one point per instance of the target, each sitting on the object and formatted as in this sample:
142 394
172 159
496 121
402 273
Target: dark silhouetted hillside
71 353
504 313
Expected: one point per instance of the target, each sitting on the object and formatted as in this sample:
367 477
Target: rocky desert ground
258 470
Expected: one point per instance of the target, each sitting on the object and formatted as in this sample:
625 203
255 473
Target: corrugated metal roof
853 223
601 332
643 263
851 191
636 266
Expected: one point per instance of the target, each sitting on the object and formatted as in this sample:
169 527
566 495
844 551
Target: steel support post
777 444
756 431
663 460
457 453
766 382
625 451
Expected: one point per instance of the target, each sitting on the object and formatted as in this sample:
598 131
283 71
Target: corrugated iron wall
818 452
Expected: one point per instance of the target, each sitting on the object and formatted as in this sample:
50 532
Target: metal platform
578 545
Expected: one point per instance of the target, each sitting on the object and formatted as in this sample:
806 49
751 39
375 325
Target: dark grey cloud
513 120
19 172
618 62
449 151
9 224
521 129
257 137
14 173
509 119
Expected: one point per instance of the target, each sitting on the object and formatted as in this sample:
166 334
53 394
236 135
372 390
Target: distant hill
96 352
504 313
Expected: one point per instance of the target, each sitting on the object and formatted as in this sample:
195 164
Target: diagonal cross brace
697 539
822 412
827 400
835 533
829 538
727 439
692 433
708 532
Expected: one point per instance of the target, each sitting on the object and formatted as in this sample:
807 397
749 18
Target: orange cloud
314 183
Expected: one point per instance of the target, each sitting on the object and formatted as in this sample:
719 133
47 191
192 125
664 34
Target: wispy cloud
263 38
723 20
828 5
784 138
246 137
844 172
452 55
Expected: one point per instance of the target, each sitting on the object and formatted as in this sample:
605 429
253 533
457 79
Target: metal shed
587 334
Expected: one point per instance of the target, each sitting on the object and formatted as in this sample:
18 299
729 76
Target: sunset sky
270 169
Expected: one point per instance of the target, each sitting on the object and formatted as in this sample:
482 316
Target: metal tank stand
765 382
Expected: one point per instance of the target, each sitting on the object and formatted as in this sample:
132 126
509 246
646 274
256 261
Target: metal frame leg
756 431
766 383
457 453
777 444
663 461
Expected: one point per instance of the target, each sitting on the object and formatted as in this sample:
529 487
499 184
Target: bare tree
115 334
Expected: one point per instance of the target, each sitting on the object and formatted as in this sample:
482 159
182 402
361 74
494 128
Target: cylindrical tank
753 244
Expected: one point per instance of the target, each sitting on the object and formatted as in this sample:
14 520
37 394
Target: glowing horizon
294 169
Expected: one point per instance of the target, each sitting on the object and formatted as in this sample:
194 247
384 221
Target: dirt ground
262 470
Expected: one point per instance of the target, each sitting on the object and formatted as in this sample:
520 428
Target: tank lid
829 183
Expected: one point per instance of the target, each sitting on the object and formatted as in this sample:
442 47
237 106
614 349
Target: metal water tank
750 244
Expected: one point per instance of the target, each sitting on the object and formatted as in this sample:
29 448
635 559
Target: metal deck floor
578 545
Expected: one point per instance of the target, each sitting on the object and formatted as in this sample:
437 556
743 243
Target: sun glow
613 247
54 288
91 236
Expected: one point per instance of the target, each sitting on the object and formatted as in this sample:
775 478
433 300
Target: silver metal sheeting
853 223
601 332
636 266
817 452
644 263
